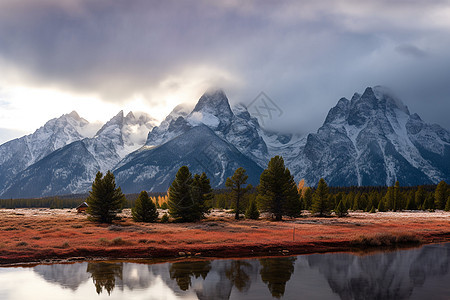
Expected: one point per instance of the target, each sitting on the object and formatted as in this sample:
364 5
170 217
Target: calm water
421 273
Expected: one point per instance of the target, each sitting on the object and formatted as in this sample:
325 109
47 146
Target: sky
99 57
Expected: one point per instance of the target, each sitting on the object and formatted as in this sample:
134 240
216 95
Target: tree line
190 197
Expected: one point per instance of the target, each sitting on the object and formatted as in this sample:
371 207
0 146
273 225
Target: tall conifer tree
237 184
105 200
181 205
144 209
440 195
201 193
320 199
277 190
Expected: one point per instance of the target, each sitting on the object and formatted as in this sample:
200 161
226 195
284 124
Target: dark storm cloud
304 54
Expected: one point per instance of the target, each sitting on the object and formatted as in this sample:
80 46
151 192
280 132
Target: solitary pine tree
238 189
105 200
181 205
201 193
144 209
320 199
277 189
440 195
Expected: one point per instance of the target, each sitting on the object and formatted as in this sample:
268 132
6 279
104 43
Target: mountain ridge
371 139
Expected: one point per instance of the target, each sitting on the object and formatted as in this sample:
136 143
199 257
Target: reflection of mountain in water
390 275
66 275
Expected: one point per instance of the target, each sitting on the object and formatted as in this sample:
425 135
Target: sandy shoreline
61 235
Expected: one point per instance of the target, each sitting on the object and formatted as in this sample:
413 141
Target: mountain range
371 139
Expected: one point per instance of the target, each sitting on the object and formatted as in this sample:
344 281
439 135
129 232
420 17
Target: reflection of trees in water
183 271
276 272
104 275
238 273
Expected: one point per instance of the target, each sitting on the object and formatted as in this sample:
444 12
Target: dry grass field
36 235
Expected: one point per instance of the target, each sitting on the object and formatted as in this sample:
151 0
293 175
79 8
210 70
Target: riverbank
48 235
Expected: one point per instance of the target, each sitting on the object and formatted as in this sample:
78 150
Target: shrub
118 241
165 218
386 239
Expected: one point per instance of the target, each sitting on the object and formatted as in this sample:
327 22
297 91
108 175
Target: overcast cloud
304 54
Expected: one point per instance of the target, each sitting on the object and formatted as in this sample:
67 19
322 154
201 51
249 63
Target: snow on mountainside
72 168
213 110
18 154
199 148
172 126
373 140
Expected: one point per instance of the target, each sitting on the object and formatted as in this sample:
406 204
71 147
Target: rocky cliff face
372 139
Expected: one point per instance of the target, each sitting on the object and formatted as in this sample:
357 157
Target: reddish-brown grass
28 235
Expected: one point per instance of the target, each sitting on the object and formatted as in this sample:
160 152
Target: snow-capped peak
385 93
213 102
213 110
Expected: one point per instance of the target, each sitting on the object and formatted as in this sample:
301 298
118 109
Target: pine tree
307 198
372 202
144 209
447 205
252 211
238 189
320 199
105 200
390 199
293 207
419 197
341 210
277 189
381 206
429 202
397 197
440 195
201 193
411 205
181 205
